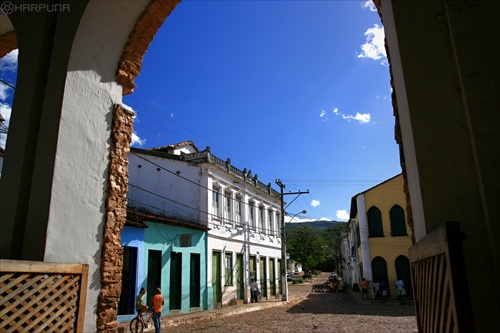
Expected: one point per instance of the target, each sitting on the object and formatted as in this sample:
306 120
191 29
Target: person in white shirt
254 291
400 286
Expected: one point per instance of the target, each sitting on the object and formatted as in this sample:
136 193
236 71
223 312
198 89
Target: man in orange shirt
364 287
157 303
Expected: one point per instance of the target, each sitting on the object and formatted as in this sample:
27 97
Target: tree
332 237
306 246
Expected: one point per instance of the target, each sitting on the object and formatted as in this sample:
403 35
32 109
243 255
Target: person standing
376 288
140 305
364 288
400 286
254 291
157 303
383 289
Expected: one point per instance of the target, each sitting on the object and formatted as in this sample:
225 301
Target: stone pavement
296 293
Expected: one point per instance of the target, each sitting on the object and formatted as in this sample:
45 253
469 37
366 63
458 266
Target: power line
204 139
8 84
166 212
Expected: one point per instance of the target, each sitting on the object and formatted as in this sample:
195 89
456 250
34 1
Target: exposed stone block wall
129 67
145 29
116 213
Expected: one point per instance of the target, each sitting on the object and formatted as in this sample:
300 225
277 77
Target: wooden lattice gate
440 289
42 297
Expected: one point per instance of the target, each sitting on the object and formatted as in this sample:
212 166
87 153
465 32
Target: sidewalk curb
230 310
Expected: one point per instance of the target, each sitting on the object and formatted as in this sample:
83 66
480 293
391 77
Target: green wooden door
280 280
272 277
263 277
253 268
240 277
216 277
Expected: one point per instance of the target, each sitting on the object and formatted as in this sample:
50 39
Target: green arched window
398 222
375 227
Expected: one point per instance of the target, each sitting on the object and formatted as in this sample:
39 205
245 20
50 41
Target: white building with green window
242 215
376 247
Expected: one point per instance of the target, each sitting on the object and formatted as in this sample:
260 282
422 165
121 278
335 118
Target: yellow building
379 248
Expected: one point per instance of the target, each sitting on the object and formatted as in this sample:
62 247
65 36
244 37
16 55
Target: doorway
175 281
403 271
216 277
263 277
240 277
379 269
194 281
129 273
272 277
154 273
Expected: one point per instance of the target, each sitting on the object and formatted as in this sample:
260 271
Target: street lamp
283 256
302 212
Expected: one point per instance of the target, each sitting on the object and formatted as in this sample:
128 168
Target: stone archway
129 67
110 113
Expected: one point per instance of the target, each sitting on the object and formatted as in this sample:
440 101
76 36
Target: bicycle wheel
136 325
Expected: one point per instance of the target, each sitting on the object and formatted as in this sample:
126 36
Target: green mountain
316 225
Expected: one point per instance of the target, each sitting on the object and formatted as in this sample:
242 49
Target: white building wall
81 162
248 239
177 197
193 199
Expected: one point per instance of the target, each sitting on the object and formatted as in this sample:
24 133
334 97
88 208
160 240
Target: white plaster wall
248 246
77 208
167 184
223 237
363 234
226 238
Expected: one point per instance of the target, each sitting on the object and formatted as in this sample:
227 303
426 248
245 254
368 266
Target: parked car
288 276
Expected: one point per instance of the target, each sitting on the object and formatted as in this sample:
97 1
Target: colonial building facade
240 214
376 247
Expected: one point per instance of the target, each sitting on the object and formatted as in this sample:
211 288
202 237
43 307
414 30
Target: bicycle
137 325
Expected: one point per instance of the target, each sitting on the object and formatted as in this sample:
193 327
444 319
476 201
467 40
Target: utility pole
284 266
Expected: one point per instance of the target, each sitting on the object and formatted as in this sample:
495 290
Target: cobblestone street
314 312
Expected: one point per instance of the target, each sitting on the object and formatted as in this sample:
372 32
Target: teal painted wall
165 238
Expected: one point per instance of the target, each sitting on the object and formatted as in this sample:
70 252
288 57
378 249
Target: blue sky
292 90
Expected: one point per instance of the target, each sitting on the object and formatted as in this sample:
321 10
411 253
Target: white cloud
374 48
362 118
128 107
4 91
5 111
368 4
342 215
136 140
298 219
8 65
9 61
315 203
